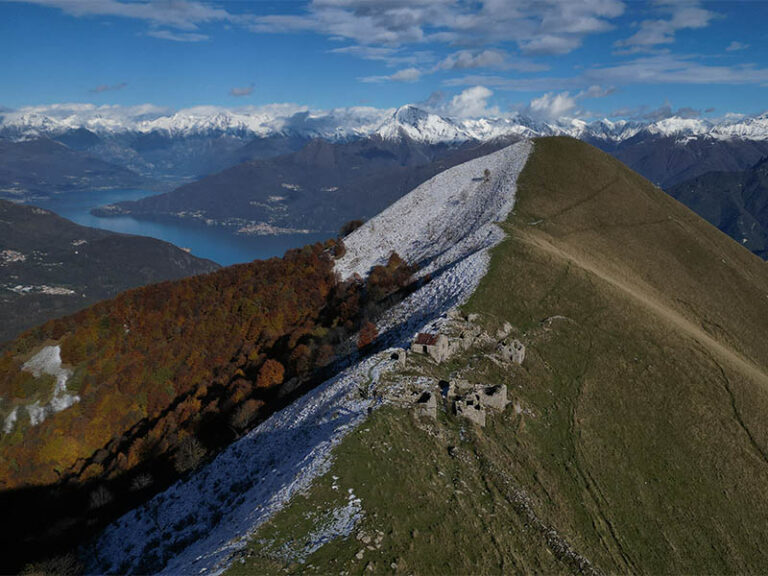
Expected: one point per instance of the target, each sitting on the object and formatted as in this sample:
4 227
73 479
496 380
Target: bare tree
189 454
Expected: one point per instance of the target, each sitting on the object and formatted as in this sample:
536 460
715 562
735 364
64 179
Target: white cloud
179 14
680 15
467 59
390 56
490 58
736 45
471 103
555 106
394 23
177 36
671 69
550 44
551 106
405 75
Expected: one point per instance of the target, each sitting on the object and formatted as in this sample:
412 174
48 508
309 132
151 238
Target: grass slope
640 443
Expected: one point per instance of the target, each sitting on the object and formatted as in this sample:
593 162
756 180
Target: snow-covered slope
344 123
450 214
199 524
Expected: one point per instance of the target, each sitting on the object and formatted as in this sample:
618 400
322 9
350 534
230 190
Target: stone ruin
471 408
494 397
467 400
512 351
426 403
399 355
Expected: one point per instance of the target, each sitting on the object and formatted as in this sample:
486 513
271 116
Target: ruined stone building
435 345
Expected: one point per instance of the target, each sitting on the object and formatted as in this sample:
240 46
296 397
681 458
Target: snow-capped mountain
407 121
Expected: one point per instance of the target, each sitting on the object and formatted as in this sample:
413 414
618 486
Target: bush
368 333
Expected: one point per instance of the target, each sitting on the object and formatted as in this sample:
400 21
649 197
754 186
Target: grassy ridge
640 439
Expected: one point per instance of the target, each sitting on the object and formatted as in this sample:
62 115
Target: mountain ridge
343 124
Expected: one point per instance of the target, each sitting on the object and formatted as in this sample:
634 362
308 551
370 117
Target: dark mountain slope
319 187
667 161
50 266
636 439
42 167
735 202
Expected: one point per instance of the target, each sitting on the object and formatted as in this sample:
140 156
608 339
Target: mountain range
191 143
267 419
277 170
344 124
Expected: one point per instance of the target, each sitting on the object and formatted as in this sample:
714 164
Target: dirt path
665 313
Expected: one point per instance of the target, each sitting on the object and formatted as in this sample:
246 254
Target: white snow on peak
408 121
420 126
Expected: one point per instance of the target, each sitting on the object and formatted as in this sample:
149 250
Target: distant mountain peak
409 121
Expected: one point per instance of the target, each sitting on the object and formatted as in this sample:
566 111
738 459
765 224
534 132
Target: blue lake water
221 245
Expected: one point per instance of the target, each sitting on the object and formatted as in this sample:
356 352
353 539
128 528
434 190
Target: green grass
643 436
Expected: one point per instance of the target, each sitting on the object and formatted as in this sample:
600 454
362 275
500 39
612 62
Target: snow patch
10 420
48 361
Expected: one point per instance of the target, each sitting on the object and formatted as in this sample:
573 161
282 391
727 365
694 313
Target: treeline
168 374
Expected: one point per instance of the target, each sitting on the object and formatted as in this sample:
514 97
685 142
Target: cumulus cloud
554 106
242 91
551 106
405 75
471 103
108 88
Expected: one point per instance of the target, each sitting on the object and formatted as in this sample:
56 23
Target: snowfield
198 525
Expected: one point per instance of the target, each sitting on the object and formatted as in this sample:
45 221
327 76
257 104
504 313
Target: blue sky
579 59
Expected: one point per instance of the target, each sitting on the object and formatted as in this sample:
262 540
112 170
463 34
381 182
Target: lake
221 245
